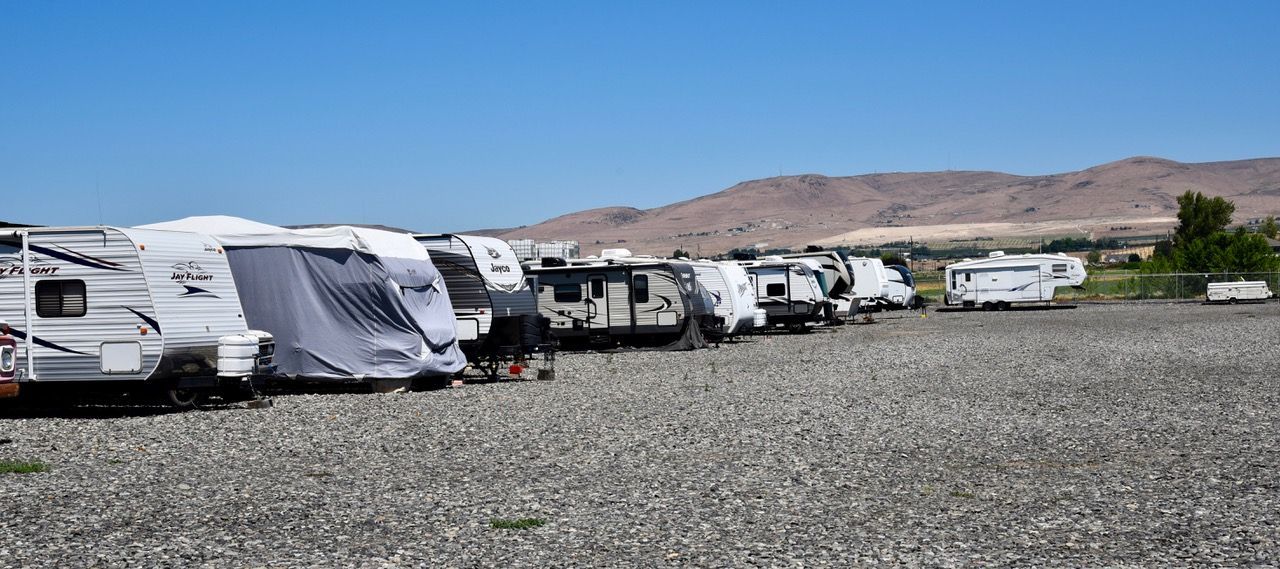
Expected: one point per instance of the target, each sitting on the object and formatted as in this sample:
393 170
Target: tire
797 328
987 306
1231 300
1002 306
183 399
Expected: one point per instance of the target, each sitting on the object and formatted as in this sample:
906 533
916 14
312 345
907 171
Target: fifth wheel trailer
1000 280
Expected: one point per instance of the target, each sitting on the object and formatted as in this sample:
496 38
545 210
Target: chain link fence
1167 286
1103 285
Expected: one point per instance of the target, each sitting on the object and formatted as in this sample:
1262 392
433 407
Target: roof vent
615 253
995 254
553 262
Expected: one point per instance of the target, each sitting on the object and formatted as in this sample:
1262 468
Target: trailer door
597 302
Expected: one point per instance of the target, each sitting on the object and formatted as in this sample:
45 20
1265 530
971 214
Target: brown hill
1131 196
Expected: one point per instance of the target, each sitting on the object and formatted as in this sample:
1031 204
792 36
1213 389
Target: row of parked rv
212 304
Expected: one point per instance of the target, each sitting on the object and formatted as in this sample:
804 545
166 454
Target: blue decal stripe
73 257
45 343
194 291
145 318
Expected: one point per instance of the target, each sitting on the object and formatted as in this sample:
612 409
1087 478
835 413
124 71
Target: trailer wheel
1231 300
987 306
797 328
182 398
1002 306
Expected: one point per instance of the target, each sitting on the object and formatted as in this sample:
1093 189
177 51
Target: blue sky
446 117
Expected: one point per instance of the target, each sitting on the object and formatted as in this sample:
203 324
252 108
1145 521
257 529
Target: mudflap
9 390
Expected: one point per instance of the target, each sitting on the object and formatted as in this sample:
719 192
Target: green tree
893 259
1200 216
1238 251
1269 227
680 253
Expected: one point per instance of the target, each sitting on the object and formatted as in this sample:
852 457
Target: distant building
1122 255
528 249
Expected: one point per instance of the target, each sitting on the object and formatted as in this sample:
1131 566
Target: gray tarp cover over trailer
341 313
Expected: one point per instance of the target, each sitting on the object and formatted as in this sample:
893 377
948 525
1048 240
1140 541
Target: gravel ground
1132 434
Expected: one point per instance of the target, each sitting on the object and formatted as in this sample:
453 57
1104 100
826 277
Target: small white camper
99 307
1000 280
1232 292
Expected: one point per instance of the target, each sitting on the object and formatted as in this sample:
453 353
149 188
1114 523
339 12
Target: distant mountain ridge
1133 195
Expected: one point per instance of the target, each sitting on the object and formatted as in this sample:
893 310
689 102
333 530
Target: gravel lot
1127 434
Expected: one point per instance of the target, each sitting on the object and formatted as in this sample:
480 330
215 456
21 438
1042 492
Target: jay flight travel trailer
494 305
107 309
345 304
1232 292
609 302
1001 280
788 292
8 362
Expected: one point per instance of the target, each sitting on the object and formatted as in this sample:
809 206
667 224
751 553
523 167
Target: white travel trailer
348 304
870 280
725 285
609 302
1232 292
119 309
735 298
1000 280
495 308
902 288
833 274
788 291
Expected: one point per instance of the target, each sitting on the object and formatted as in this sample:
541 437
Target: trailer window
60 299
597 288
968 277
640 288
1059 268
775 289
568 293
